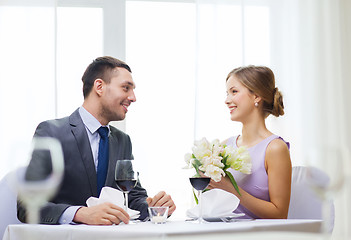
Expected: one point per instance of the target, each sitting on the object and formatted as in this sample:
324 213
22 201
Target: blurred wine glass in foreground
38 182
326 176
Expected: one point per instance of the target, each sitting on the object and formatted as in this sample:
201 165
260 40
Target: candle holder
158 215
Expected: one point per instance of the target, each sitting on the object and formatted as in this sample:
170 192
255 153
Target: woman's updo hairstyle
260 80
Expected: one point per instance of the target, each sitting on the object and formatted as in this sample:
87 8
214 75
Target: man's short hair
100 68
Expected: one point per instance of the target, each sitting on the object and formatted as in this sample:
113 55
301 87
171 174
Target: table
169 230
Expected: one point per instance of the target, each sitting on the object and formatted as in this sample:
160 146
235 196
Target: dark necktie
102 158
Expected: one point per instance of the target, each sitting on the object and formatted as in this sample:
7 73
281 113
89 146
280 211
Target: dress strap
231 141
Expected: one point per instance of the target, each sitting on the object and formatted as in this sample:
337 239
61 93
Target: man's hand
162 199
102 214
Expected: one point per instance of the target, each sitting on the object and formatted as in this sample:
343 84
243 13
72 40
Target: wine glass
200 183
326 176
126 178
38 182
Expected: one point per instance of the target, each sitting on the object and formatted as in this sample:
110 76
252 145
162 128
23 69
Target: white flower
214 172
217 148
201 149
189 161
239 159
213 159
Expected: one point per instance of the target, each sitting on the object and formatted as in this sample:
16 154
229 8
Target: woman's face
240 101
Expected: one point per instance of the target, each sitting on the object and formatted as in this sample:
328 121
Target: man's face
117 95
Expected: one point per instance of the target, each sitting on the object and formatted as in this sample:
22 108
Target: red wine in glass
126 178
200 183
126 185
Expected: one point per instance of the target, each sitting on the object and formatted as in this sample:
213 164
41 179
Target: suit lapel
80 134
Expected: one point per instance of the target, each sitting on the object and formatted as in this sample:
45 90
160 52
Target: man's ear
98 86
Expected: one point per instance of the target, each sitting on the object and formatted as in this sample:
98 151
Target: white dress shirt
92 125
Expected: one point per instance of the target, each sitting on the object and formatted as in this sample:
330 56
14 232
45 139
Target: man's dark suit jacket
79 181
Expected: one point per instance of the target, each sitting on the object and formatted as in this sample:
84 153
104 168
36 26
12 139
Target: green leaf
195 197
224 160
196 165
233 181
196 200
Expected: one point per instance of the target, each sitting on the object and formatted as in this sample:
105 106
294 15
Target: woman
251 98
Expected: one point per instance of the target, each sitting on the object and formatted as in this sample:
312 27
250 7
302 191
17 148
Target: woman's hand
225 184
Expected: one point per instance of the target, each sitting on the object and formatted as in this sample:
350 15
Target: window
179 52
161 52
79 42
45 51
27 64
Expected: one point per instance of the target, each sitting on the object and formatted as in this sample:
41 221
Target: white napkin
216 203
114 196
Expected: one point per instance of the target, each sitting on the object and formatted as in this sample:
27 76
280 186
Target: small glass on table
200 183
158 215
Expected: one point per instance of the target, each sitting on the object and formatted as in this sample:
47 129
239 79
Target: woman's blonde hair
260 81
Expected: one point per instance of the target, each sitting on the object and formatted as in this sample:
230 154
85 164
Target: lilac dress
255 183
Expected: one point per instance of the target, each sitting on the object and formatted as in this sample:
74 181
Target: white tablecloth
171 229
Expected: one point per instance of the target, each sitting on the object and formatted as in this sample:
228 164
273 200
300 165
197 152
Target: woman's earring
256 104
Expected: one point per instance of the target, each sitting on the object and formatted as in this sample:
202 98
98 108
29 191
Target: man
108 90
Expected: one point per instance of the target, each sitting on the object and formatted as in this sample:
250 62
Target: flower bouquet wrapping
214 159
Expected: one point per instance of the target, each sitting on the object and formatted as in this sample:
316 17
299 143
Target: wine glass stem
200 206
126 199
327 217
33 216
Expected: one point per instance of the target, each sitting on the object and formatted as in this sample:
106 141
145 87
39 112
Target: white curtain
322 67
307 45
324 73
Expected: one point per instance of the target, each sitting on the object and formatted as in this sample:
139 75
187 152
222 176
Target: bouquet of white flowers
214 159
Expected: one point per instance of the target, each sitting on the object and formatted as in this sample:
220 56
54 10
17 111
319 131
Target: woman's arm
278 166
